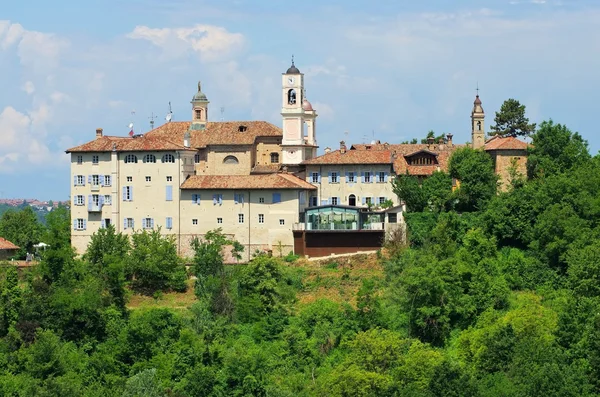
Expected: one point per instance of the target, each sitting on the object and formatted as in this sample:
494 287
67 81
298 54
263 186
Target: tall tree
475 171
21 228
511 120
408 191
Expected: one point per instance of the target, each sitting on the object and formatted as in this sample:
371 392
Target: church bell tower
477 124
296 112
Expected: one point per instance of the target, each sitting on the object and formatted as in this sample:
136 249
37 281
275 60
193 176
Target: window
367 177
381 200
334 201
261 200
479 126
198 114
238 198
219 220
194 221
79 180
240 218
274 158
261 218
217 199
128 223
381 177
95 201
127 193
147 223
168 158
107 199
352 200
315 177
105 223
313 202
368 200
282 222
148 178
276 198
169 193
149 158
196 199
95 180
79 159
79 224
351 177
129 179
333 177
107 180
169 179
197 158
95 159
169 223
230 160
79 200
392 217
131 158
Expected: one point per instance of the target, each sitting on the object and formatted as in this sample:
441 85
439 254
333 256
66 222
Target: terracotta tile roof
128 144
505 143
265 168
353 157
246 182
7 245
217 132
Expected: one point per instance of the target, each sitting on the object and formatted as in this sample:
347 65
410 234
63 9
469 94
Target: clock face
291 80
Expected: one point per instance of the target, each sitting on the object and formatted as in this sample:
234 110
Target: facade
253 179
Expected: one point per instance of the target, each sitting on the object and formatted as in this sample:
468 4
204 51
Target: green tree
10 298
409 191
511 120
478 181
21 228
437 189
153 264
59 254
555 149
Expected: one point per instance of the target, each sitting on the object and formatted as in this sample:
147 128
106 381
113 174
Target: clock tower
477 127
295 146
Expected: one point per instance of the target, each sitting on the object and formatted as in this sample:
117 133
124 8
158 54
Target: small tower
310 120
477 124
199 110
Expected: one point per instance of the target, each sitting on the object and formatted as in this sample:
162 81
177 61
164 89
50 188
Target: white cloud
212 43
29 87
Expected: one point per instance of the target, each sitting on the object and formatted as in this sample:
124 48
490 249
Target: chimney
342 147
449 139
98 133
327 149
186 139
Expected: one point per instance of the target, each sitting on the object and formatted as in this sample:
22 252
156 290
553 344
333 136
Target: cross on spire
292 59
477 89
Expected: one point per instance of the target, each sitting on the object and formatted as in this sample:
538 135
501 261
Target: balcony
94 208
340 218
95 188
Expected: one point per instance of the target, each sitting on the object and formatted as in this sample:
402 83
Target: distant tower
295 146
199 110
477 124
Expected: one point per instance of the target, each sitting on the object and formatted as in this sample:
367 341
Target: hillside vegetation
493 295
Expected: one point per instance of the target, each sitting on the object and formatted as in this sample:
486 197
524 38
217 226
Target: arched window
274 158
149 158
479 126
292 97
131 158
168 158
352 200
198 114
230 160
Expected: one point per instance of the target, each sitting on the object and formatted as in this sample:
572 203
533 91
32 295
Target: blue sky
372 69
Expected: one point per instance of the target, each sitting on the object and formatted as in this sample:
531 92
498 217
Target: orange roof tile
265 168
128 144
246 182
217 132
353 157
7 245
505 143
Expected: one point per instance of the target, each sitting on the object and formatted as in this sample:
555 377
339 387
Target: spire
200 96
293 69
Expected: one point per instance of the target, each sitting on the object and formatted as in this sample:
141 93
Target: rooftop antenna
222 112
169 115
131 124
152 117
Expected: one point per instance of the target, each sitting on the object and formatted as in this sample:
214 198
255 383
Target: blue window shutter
152 223
133 223
82 180
169 193
101 178
276 198
124 223
362 175
329 177
74 180
102 223
124 193
339 201
236 198
364 200
220 199
385 178
329 201
130 193
169 222
319 177
193 199
347 177
101 201
90 202
214 199
198 199
84 224
74 224
90 179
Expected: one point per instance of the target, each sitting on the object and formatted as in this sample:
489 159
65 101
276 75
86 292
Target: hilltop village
263 185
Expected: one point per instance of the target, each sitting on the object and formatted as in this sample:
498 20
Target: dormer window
422 158
242 128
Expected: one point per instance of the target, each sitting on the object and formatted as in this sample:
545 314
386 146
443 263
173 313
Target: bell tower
292 89
199 110
477 124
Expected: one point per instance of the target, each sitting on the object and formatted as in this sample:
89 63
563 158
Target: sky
389 70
